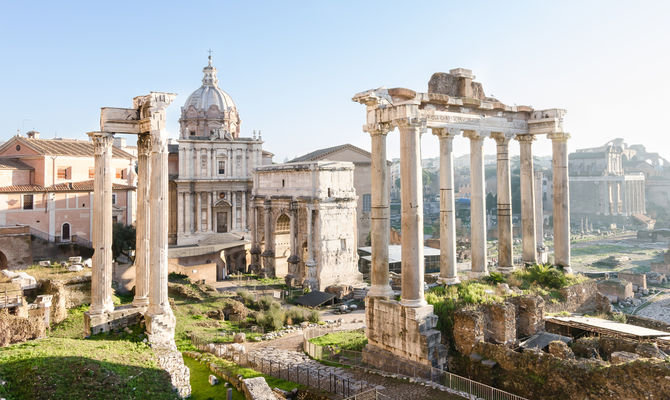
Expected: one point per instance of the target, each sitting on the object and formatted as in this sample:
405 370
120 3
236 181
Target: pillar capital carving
559 136
525 138
502 138
102 142
158 142
412 123
447 133
475 135
381 128
143 144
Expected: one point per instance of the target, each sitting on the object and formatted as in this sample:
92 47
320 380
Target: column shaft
379 219
559 142
198 212
539 210
244 211
477 204
101 279
142 252
529 245
504 204
411 176
448 265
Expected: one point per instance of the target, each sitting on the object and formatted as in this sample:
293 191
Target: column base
449 281
477 274
160 327
506 270
384 291
142 302
113 320
414 303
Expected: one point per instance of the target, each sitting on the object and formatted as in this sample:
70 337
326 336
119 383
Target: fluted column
293 258
559 142
101 278
477 204
268 254
142 252
504 206
234 224
188 213
198 212
379 218
411 177
448 265
529 245
244 211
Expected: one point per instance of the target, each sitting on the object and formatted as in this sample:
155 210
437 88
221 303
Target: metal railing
457 383
308 376
11 300
52 238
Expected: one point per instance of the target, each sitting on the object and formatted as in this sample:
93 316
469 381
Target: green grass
200 387
73 326
62 368
345 340
599 249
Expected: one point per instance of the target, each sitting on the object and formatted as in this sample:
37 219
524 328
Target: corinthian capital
502 138
381 128
102 142
158 142
559 136
143 144
525 138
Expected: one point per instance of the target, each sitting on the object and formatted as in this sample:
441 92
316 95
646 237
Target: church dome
209 93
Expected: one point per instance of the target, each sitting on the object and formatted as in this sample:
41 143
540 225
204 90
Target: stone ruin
146 119
454 105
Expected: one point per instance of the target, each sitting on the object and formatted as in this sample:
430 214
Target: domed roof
209 93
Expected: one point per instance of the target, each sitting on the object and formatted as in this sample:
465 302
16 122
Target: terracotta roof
321 153
83 186
65 147
13 163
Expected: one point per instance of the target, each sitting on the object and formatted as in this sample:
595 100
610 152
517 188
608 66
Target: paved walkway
658 309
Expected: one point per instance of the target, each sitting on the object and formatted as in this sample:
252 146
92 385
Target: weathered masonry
454 105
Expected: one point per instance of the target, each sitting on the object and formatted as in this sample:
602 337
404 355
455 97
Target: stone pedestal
399 334
117 319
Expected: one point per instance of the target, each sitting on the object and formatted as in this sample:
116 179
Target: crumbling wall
539 375
580 298
529 315
66 294
15 328
500 323
469 328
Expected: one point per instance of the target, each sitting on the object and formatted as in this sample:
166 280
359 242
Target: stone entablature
305 223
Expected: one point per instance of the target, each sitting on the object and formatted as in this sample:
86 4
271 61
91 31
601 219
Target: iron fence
11 298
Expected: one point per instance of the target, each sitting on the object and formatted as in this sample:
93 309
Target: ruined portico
147 120
454 105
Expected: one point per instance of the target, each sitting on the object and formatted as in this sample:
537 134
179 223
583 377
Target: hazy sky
292 67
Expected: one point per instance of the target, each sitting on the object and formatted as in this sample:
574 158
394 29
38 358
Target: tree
491 203
123 240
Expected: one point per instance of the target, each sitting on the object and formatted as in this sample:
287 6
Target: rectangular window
120 173
343 244
91 173
113 198
367 202
62 173
27 201
222 167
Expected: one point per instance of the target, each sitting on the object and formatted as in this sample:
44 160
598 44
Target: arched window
65 232
283 223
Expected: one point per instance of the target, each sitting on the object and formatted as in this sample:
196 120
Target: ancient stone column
504 206
269 252
311 262
529 245
197 226
559 142
143 224
188 213
293 258
101 278
448 266
411 176
379 218
244 211
539 211
477 204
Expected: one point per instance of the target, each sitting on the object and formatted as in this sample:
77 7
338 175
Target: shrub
295 315
247 297
494 278
314 317
267 302
178 278
271 319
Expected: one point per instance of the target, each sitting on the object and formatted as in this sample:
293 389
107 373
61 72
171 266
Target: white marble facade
215 165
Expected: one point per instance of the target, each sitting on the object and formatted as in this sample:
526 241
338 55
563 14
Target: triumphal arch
454 105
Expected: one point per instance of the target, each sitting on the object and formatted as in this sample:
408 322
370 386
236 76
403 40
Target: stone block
468 330
213 380
501 323
529 315
560 349
257 389
118 319
616 287
638 280
621 357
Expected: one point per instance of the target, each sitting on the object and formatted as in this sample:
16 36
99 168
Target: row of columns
191 158
152 224
412 207
190 217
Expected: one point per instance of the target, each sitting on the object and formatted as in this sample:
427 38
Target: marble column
379 218
188 213
411 176
504 203
101 277
539 210
210 225
180 212
529 244
143 224
293 258
448 265
182 163
234 194
559 142
244 211
158 233
268 240
198 167
229 164
477 204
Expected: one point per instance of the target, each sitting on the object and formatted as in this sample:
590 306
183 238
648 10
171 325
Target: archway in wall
3 260
282 245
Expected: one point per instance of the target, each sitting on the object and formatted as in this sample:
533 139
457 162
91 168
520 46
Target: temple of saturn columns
454 105
146 120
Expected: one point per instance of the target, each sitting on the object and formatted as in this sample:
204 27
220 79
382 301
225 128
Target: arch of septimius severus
454 105
146 120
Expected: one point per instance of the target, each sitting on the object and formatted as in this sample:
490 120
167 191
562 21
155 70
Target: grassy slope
200 386
345 340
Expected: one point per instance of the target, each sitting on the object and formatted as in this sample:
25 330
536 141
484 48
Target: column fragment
559 142
143 222
529 245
